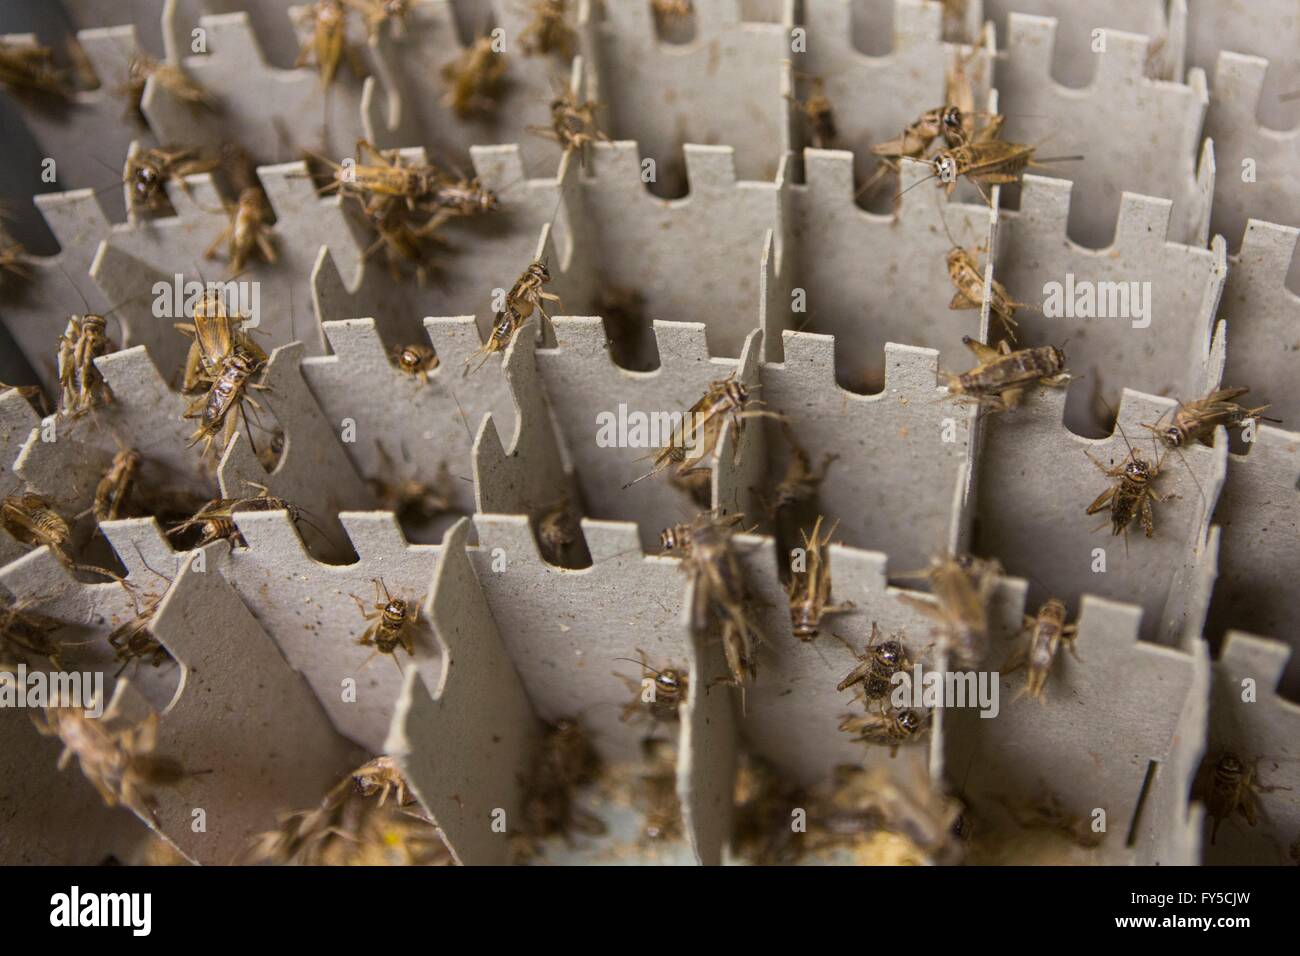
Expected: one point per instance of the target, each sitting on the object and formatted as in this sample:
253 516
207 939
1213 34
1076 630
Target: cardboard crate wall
1165 101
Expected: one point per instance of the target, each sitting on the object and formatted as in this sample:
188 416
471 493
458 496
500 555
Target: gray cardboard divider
1072 59
907 424
1258 160
1164 357
144 15
280 112
1263 318
411 67
1129 693
463 739
582 382
91 611
1249 719
1170 828
875 97
17 419
276 750
724 86
522 473
792 709
1036 482
360 381
564 629
1259 560
898 293
39 800
740 458
708 748
308 608
1148 130
1250 29
313 448
631 240
60 133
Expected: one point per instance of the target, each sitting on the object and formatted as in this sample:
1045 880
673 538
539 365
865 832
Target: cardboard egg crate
264 634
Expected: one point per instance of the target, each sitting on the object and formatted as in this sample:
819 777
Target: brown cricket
247 232
142 67
890 728
809 589
375 13
988 162
117 758
818 114
573 125
878 664
1230 785
474 79
149 171
216 517
720 594
115 486
1003 376
217 337
416 360
1130 498
962 586
1047 631
968 279
29 68
1196 421
395 620
24 632
328 45
658 693
548 32
81 385
221 407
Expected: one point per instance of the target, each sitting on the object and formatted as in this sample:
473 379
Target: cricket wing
1101 501
983 353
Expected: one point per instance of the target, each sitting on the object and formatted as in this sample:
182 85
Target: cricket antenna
942 219
1119 426
904 192
642 663
76 287
1114 415
463 418
82 296
145 562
